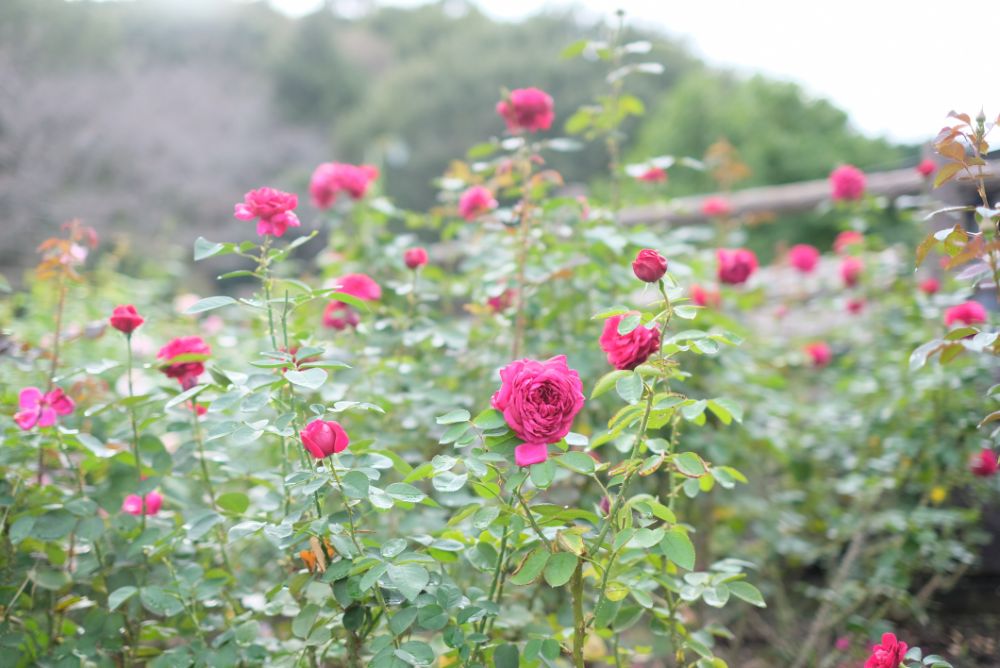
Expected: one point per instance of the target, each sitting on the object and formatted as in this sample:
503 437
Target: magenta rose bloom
528 109
415 257
715 206
330 179
476 201
804 257
194 350
539 399
967 313
126 319
340 316
735 266
820 354
926 167
137 505
846 239
322 438
847 183
985 464
850 270
653 175
41 409
649 266
889 654
272 207
627 351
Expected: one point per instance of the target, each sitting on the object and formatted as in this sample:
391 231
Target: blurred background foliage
150 117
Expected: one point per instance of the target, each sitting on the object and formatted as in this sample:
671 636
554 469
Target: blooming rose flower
967 313
134 504
735 266
850 270
627 351
539 399
985 464
528 109
186 371
715 206
323 438
649 266
329 179
846 239
272 207
803 257
415 257
125 319
653 175
926 167
41 409
930 286
847 182
705 296
340 316
527 454
855 306
889 654
502 301
820 353
476 201
843 643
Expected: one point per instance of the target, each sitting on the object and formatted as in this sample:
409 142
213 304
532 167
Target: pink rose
985 464
361 286
850 270
476 201
125 319
415 257
855 306
846 239
735 266
847 182
889 654
539 399
705 296
332 178
649 266
715 206
653 175
627 351
926 167
272 207
804 257
528 109
967 313
41 409
820 353
930 286
194 352
340 316
323 438
502 301
137 505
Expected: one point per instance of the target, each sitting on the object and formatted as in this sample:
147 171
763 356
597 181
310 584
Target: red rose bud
735 266
126 319
649 266
889 654
850 271
323 438
804 257
930 286
967 313
528 109
820 353
984 464
926 167
415 257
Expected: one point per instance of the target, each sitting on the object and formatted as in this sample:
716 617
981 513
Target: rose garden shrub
550 440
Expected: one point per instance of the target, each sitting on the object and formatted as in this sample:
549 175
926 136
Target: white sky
883 61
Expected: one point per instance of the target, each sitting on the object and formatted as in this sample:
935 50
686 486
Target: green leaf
311 379
726 410
355 484
409 579
160 602
690 464
453 416
608 381
629 387
559 568
304 621
490 419
446 481
233 502
577 461
401 491
244 529
204 248
209 304
185 395
629 323
506 656
531 567
747 592
202 524
678 548
119 596
53 525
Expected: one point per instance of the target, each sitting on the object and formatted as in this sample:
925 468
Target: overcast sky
896 66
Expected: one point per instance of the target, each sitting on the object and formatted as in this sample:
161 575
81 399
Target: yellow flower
938 494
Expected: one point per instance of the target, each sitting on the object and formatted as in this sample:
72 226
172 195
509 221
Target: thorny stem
579 625
332 468
60 306
135 428
531 519
265 279
211 490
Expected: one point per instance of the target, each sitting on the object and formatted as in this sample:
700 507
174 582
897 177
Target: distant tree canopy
146 111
